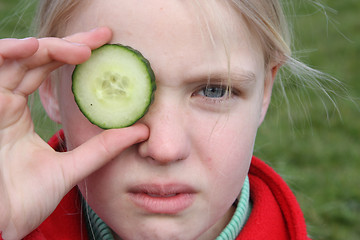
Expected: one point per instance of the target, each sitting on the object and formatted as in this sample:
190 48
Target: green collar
242 213
98 230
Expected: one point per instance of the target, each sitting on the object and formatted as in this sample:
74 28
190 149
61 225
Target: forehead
190 32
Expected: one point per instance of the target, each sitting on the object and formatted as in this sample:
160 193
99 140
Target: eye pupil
214 92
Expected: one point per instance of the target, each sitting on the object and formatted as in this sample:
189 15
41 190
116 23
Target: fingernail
78 44
94 29
27 38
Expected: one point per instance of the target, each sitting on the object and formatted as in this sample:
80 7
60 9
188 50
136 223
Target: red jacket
275 214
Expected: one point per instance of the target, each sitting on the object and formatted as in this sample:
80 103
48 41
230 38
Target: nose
168 141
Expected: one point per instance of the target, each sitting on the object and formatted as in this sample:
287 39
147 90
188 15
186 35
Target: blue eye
213 91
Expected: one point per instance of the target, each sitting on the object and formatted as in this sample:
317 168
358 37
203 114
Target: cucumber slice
115 87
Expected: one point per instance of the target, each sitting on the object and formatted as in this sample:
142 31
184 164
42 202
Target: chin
160 228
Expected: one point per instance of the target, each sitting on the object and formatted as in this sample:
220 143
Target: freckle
128 33
209 161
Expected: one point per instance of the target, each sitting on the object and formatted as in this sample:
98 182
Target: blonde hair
265 18
52 17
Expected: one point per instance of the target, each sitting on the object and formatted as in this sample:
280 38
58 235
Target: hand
33 177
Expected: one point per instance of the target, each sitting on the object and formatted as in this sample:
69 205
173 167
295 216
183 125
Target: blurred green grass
318 150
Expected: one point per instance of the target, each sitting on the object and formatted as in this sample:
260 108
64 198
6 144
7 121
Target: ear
268 86
49 100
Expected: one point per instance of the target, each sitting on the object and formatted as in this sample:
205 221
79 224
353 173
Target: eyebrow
239 76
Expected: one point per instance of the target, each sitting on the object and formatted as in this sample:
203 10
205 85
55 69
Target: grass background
317 150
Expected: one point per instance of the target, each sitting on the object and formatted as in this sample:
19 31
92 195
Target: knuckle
104 145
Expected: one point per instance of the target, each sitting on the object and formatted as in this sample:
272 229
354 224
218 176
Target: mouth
162 199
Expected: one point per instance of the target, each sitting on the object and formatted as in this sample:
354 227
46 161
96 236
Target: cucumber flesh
115 87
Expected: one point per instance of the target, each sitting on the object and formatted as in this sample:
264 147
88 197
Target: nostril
142 149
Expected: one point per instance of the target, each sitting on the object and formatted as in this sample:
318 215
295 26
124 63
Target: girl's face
181 182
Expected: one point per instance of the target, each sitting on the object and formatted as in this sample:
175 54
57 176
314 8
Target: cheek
226 158
231 153
76 127
231 136
232 141
227 152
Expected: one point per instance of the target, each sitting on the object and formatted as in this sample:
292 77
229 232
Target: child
183 171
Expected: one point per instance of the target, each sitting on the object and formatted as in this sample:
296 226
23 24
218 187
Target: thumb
99 150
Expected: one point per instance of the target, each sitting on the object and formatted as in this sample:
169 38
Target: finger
99 150
12 73
57 50
56 53
11 48
94 38
53 53
32 80
73 49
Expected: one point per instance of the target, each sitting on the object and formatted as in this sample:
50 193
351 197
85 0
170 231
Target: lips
162 199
